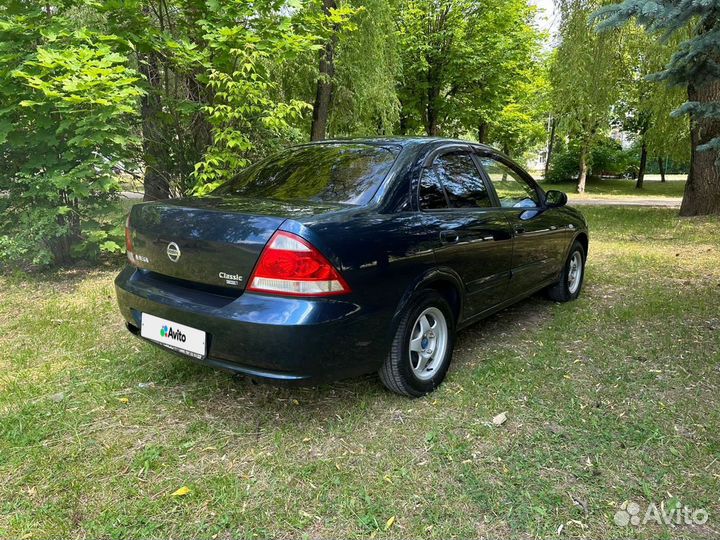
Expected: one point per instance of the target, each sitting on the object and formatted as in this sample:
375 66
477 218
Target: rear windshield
338 173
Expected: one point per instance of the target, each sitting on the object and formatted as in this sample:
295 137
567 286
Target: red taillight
128 242
289 265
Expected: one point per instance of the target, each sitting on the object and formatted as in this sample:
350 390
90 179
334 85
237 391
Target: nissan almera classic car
341 258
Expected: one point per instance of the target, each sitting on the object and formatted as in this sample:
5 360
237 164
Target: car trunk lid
213 241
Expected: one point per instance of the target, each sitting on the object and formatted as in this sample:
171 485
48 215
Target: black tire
397 372
561 291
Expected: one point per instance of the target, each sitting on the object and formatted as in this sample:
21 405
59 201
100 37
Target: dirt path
649 203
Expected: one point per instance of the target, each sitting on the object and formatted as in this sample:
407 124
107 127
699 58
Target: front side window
346 173
512 190
457 173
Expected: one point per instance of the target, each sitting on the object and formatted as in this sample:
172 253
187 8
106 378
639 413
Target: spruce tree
695 65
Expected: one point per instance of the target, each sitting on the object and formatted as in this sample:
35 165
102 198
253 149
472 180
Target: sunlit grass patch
609 398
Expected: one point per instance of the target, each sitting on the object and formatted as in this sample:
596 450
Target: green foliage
462 64
185 93
212 73
246 106
365 98
520 124
644 108
586 72
365 53
668 136
607 158
205 88
67 102
696 59
564 165
166 51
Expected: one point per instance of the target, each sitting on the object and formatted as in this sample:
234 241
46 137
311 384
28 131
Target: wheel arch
582 237
443 280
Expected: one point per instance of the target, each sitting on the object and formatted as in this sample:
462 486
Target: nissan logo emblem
173 252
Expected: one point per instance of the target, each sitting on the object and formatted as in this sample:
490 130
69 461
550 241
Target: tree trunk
434 80
324 91
551 143
482 132
61 246
155 153
702 190
403 124
661 168
201 129
431 122
582 177
643 165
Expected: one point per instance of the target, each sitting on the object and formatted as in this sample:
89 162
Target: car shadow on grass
243 405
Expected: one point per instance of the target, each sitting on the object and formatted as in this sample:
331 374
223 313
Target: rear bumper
264 336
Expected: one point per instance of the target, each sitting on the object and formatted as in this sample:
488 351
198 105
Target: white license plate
178 337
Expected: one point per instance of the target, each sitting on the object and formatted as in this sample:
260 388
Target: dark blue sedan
341 258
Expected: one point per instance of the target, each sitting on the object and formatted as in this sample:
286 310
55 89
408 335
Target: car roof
399 141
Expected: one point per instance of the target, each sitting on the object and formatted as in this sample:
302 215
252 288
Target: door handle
449 237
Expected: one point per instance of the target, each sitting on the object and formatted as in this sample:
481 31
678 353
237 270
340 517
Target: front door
539 239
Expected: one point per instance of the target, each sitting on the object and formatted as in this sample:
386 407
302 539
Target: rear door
539 237
473 236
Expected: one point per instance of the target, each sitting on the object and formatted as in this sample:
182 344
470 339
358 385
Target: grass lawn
610 398
601 188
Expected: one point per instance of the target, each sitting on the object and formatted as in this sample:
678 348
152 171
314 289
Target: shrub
66 107
607 158
565 164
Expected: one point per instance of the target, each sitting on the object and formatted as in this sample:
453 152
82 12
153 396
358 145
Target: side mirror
555 198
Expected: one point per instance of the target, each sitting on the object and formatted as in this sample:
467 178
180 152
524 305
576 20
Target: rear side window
432 195
457 173
347 173
511 188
